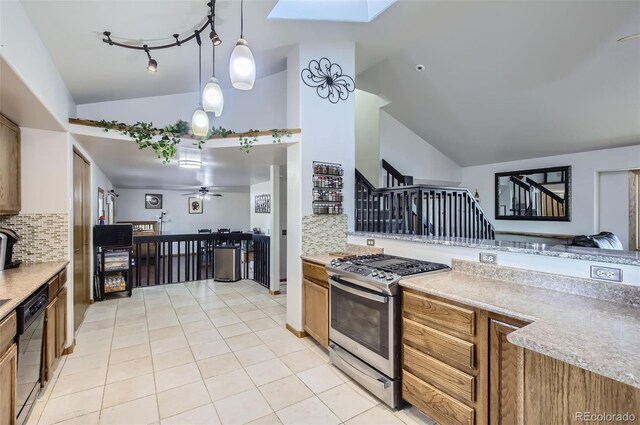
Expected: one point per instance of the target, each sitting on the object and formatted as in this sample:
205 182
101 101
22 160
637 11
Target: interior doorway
81 229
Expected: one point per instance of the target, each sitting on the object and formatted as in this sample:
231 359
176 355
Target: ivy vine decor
167 146
328 80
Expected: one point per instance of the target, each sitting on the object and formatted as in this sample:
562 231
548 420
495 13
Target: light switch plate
606 273
489 257
371 242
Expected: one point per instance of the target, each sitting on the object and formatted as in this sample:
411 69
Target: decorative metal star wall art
328 80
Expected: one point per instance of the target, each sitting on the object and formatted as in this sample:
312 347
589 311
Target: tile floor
202 353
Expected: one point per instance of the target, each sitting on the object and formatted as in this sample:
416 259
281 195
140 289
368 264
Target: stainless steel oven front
363 332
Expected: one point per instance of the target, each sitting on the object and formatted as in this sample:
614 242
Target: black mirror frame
568 197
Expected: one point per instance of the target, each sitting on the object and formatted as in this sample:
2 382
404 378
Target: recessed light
420 67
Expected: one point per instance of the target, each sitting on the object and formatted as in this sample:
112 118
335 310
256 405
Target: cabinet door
316 311
9 167
61 321
505 378
50 345
8 385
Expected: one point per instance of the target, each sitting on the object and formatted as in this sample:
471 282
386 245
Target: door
505 379
81 229
8 385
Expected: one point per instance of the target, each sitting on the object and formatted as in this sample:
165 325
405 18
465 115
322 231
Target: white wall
584 179
614 205
283 227
368 134
260 220
262 108
44 163
413 156
229 211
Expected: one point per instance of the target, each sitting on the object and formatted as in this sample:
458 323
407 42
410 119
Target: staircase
530 198
418 209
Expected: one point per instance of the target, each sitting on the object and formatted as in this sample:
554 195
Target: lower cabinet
8 370
506 381
55 324
316 311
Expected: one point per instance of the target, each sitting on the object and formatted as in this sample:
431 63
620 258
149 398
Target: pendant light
199 120
212 97
242 66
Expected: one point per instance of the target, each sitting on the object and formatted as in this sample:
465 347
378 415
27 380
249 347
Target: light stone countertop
320 259
17 284
596 335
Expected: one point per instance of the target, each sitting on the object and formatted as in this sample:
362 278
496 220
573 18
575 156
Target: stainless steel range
364 326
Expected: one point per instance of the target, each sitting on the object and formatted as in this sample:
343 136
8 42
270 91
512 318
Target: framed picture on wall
153 201
195 205
263 204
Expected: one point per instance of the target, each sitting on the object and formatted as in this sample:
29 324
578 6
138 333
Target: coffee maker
7 239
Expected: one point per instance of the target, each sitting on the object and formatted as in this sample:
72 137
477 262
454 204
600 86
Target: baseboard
274 292
91 301
299 334
69 349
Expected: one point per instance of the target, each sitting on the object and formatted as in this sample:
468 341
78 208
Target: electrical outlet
371 242
489 257
606 273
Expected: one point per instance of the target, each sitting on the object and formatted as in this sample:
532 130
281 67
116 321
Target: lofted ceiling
504 80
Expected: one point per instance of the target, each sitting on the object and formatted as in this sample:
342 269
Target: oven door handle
367 295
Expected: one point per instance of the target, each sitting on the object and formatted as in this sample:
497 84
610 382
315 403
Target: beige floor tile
285 392
71 406
164 333
233 330
253 355
127 390
268 371
192 317
209 349
88 348
280 319
285 346
274 334
130 328
224 320
205 336
377 415
270 419
260 324
203 415
320 378
243 308
129 340
251 314
89 419
218 365
129 353
228 384
345 402
239 342
199 326
81 381
177 376
412 416
173 358
141 411
274 310
162 322
242 408
307 412
169 344
85 363
90 336
182 399
302 360
129 369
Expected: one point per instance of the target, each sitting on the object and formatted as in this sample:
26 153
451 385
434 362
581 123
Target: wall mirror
541 194
101 202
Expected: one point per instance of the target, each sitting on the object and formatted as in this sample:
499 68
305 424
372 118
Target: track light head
215 38
152 65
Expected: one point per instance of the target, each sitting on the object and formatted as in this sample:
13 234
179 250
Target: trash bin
226 263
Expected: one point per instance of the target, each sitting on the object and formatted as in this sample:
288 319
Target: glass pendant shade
242 66
200 122
212 97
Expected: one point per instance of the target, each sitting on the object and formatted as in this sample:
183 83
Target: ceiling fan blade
191 194
215 194
629 37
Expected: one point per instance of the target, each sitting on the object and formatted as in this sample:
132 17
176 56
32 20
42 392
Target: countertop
563 251
596 335
17 284
324 258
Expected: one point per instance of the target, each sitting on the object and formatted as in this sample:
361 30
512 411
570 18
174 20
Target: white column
274 257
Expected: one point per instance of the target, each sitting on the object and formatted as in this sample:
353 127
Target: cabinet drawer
316 273
449 349
62 277
54 287
441 407
7 331
439 374
438 314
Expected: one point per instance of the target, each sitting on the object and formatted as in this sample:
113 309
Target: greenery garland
167 146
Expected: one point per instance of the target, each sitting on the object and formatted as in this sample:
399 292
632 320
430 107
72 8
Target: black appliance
30 329
113 235
364 325
8 238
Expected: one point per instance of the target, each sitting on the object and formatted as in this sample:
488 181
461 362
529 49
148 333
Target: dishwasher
29 338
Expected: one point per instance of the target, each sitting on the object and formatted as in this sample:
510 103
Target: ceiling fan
630 37
202 193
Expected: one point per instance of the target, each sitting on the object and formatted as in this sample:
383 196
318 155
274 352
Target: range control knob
333 262
338 263
374 273
390 277
382 275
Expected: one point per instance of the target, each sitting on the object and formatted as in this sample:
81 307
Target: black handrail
544 190
394 176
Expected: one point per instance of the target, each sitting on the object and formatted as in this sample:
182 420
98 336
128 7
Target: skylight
330 10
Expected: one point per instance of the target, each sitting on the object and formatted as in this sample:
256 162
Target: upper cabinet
10 202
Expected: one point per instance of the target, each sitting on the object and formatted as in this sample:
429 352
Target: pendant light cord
241 18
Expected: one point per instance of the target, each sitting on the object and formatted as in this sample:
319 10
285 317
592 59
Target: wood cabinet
10 201
458 366
8 370
55 323
315 293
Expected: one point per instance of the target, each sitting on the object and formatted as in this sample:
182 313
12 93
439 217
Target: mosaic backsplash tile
43 237
323 233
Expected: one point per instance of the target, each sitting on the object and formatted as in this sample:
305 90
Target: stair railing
393 177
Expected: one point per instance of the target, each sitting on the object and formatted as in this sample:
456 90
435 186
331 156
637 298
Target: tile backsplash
43 237
323 233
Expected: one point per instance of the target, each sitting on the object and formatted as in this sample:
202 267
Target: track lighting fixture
215 38
242 66
152 65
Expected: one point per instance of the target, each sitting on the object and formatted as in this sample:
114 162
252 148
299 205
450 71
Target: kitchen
508 319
